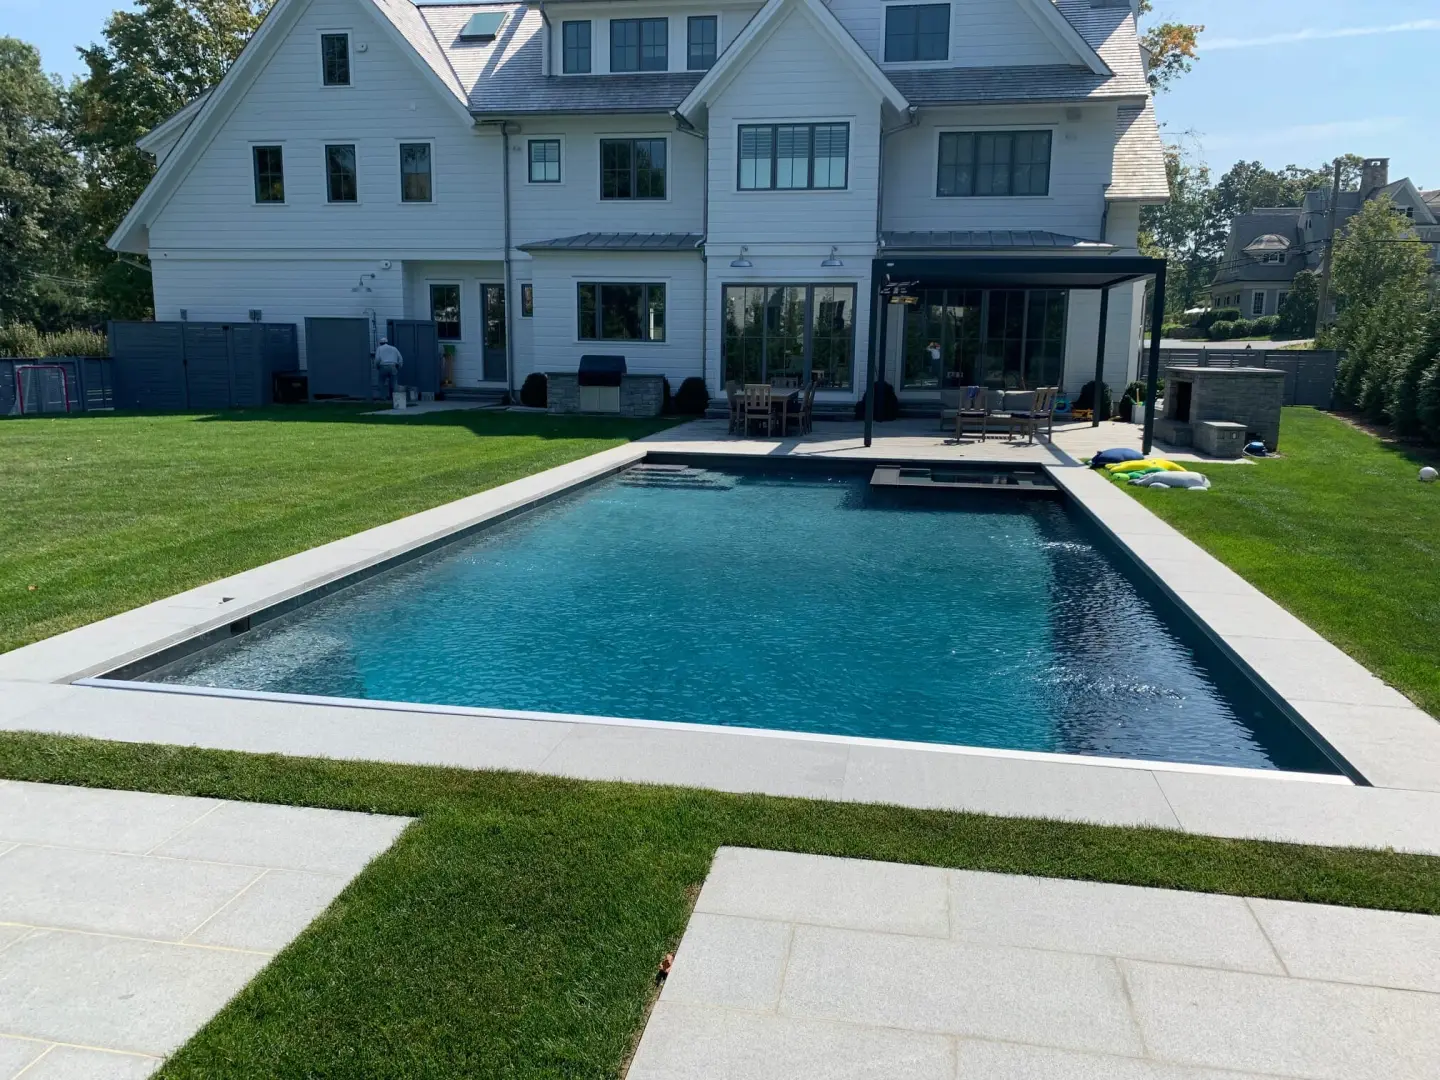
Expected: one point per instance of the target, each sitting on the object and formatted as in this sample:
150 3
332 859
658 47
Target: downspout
509 285
684 126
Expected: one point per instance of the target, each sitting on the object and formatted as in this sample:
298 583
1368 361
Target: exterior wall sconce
742 263
834 259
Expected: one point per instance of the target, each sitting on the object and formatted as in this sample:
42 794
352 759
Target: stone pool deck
128 919
797 967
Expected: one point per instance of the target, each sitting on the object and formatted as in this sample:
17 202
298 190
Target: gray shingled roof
595 241
1282 221
985 240
1139 169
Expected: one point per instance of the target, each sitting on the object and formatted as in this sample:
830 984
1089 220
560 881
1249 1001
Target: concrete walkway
127 920
796 967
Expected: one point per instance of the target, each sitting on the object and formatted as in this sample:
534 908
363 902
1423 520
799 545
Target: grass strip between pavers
514 930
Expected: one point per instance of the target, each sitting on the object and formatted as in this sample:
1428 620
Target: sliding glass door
1001 338
789 332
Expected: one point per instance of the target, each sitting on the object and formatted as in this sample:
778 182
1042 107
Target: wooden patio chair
1041 412
758 405
973 409
804 411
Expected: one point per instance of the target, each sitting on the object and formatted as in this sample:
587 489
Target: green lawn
515 929
103 513
1340 531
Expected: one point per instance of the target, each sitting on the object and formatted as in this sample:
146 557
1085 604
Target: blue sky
1279 81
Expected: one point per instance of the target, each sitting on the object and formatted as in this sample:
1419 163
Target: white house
702 185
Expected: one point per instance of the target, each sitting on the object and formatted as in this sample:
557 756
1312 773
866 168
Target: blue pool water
783 601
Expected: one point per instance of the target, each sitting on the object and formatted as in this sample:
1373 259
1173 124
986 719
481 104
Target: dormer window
576 38
483 26
916 32
701 33
335 59
639 45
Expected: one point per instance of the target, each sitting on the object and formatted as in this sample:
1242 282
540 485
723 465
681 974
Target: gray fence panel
149 364
338 358
1309 374
420 346
207 366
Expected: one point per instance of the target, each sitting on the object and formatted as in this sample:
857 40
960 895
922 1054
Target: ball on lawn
1429 475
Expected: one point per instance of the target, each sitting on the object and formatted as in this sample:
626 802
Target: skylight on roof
483 26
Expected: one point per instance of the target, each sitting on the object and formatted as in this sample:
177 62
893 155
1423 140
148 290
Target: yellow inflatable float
1145 465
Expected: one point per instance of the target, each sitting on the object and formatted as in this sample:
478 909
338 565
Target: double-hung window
702 39
632 168
544 161
340 185
620 311
1257 302
269 174
974 163
917 32
787 157
445 311
415 179
335 59
639 44
576 48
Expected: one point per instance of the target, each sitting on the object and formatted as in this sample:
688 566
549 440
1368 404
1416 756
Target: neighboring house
701 185
1268 247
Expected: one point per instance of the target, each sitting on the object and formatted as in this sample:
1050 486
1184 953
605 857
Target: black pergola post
1100 357
1157 319
870 363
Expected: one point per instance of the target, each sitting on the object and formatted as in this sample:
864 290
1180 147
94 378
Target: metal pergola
1099 273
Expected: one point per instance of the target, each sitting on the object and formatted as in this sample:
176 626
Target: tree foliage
153 61
39 188
1171 48
1297 314
1381 282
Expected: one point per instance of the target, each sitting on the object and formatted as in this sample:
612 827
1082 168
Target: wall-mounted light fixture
742 263
834 259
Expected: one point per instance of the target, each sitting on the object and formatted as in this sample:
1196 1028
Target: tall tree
1171 48
38 192
154 60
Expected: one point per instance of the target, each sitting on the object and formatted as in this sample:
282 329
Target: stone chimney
1374 174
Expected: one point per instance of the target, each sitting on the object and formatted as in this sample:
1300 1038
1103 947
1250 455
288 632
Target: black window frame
269 180
646 57
527 300
704 61
635 176
818 344
530 162
429 173
596 313
774 138
914 44
332 177
576 56
968 160
332 67
459 320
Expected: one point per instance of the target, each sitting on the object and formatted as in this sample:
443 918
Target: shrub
1266 325
667 399
1135 391
1428 401
1223 330
1244 328
1173 330
1297 314
887 405
535 391
1086 399
1207 319
692 399
23 340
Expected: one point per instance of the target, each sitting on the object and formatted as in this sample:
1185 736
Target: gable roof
161 139
1063 31
758 31
399 19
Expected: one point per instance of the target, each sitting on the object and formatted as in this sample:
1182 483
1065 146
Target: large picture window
416 183
620 311
632 168
340 185
445 311
793 156
576 49
974 163
1011 339
639 44
798 332
269 174
917 32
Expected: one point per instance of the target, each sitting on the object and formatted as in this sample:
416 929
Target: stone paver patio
128 919
797 967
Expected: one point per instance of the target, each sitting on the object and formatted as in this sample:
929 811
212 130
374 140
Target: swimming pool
784 599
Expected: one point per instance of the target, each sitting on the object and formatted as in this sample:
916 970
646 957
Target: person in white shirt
388 363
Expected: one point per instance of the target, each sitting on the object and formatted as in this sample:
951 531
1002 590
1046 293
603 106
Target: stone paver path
127 920
797 967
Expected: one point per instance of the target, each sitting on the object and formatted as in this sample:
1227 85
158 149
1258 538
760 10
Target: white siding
1081 157
391 100
1122 226
547 211
1122 338
469 357
556 333
221 289
983 33
795 76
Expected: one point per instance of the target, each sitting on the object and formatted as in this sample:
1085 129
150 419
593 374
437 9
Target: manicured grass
104 513
514 930
1340 531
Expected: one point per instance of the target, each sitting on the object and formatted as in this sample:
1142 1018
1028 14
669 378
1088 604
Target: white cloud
1299 36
